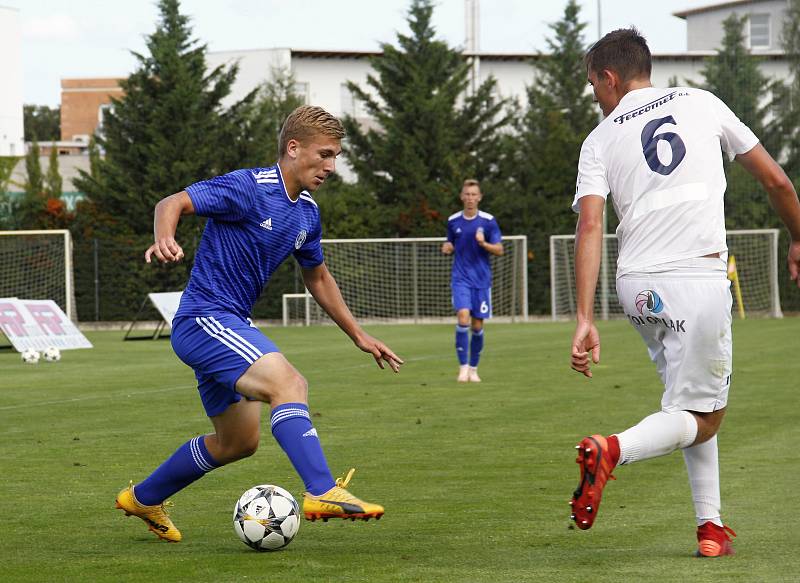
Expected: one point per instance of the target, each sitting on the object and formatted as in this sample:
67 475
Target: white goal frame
69 288
603 296
519 276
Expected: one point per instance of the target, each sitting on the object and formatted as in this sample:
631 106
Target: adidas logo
311 433
267 224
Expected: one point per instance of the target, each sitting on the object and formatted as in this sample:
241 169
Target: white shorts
683 313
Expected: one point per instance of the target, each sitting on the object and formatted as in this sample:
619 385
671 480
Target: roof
712 7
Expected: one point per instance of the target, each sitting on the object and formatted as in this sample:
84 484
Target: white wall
11 129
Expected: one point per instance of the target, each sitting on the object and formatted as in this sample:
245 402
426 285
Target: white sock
702 465
656 435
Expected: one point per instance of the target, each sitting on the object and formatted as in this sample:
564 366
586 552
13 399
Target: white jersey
659 154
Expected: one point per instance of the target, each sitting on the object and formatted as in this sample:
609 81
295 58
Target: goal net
408 280
37 265
756 253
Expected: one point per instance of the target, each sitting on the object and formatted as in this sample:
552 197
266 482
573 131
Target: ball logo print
650 301
266 518
301 238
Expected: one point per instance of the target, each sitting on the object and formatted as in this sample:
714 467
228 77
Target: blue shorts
220 347
478 300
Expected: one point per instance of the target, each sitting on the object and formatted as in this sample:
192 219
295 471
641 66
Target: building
765 18
83 104
321 76
12 134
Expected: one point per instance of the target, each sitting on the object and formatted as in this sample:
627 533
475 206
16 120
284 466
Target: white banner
167 304
38 324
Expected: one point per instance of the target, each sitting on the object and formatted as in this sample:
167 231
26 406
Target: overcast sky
93 38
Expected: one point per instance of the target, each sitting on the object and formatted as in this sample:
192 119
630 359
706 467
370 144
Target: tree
733 75
786 103
543 160
41 122
254 135
52 180
8 205
168 130
428 135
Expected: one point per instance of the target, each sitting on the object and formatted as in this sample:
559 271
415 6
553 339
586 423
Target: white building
12 133
704 30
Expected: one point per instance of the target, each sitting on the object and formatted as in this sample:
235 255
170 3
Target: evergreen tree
254 131
168 130
557 117
33 200
428 136
734 76
34 182
52 180
786 104
8 205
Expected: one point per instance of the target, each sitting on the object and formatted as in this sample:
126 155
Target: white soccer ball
51 354
30 356
266 518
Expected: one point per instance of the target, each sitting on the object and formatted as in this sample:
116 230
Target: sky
94 38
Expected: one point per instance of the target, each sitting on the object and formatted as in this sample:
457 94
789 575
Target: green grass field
475 478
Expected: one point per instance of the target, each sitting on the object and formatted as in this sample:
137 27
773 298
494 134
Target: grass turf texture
475 478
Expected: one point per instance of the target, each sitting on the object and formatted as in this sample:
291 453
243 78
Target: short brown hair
623 51
471 182
307 121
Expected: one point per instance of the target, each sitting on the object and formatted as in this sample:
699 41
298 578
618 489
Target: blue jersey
471 265
253 227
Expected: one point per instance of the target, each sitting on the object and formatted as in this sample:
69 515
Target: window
351 104
759 31
301 90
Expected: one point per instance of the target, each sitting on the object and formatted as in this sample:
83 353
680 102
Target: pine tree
786 104
557 117
734 76
255 125
168 130
32 205
52 180
425 141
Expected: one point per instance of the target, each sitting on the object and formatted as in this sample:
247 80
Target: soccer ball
266 518
51 354
30 356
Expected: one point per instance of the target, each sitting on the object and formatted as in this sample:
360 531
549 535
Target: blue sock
462 343
190 462
291 426
475 347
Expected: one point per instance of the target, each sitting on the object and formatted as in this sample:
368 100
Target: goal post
407 280
37 264
756 252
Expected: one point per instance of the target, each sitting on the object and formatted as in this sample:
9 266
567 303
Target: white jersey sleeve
591 174
735 137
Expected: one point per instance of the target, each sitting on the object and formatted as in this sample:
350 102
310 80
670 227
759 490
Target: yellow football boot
339 503
156 517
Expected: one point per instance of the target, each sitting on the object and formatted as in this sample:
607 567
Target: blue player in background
257 218
472 235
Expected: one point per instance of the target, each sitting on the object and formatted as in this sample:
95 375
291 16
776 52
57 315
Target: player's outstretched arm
588 244
782 196
323 287
168 213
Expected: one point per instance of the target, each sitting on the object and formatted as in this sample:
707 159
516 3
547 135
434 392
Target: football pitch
475 478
